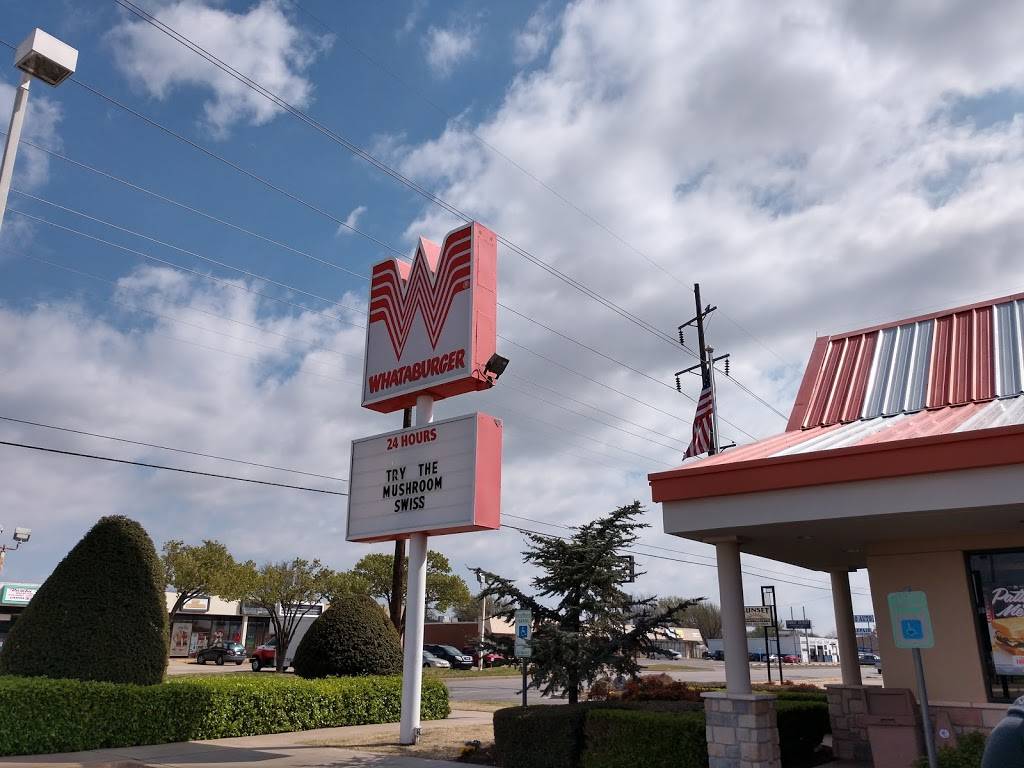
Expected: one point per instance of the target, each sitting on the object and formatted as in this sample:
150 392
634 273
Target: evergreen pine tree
585 623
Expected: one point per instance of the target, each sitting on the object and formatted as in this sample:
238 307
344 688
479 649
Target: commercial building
198 623
808 648
904 455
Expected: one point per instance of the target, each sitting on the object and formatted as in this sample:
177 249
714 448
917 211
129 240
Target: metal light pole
483 620
46 58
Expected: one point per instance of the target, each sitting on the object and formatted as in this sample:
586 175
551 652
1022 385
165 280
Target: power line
449 116
544 326
358 151
170 469
766 571
169 448
671 559
270 185
393 173
289 287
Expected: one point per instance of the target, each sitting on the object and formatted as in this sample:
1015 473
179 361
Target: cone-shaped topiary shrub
352 637
101 615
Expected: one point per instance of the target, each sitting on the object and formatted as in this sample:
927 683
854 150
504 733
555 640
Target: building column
849 663
245 628
734 623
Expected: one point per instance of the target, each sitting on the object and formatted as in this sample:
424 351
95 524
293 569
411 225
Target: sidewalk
300 749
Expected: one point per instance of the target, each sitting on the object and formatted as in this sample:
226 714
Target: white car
430 660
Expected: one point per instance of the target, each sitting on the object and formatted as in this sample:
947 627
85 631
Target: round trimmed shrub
352 637
101 615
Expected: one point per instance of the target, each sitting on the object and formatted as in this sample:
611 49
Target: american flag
703 424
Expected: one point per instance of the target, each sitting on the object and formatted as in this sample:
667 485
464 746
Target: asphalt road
692 670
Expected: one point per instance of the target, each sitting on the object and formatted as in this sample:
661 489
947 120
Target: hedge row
618 737
40 715
651 734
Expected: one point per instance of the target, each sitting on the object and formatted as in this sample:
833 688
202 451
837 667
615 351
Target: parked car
868 658
224 652
491 658
755 656
452 655
718 655
790 658
265 656
430 660
667 653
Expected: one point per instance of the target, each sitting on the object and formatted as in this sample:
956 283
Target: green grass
468 674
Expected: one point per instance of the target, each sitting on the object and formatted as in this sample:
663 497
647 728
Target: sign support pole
929 737
415 611
524 682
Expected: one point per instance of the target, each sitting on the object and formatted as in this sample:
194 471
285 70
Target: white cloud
411 19
447 47
262 43
351 221
534 38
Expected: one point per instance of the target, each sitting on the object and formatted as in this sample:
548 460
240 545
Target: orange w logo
429 284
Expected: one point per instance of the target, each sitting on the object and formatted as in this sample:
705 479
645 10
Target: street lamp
483 619
21 535
46 58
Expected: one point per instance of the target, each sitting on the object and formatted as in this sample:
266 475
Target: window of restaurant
997 593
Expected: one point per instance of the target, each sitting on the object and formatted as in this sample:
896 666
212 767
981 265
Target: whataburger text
403 374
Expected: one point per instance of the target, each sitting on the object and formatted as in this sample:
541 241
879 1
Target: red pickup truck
266 656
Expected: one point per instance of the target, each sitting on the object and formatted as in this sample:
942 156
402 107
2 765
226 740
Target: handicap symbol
913 629
523 630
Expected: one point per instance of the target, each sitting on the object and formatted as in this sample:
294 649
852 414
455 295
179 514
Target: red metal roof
953 357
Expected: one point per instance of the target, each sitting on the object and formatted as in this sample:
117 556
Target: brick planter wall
742 730
846 709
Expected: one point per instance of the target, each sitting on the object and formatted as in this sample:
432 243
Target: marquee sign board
444 477
758 615
432 323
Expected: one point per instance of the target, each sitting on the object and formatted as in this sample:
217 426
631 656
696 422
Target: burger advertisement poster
1006 629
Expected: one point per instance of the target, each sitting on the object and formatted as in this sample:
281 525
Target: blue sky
815 168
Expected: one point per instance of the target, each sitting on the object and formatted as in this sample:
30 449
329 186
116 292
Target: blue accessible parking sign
911 621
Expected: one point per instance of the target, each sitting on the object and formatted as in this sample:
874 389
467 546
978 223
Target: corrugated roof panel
983 359
880 370
859 383
841 389
825 384
938 376
961 373
1008 348
997 413
899 373
846 435
917 384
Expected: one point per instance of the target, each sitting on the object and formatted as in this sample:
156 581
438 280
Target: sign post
524 632
431 334
912 628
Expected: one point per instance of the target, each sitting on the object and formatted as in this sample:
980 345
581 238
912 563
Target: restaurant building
904 455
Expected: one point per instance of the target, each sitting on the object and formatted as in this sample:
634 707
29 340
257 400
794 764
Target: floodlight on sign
496 366
21 535
45 57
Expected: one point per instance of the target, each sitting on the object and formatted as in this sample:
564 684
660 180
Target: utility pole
706 364
398 566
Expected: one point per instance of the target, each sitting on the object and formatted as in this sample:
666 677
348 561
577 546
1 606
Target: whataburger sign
431 323
431 331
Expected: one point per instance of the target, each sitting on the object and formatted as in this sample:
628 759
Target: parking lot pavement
189 667
470 688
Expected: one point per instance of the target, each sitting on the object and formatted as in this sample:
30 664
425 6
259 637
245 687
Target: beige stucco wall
953 668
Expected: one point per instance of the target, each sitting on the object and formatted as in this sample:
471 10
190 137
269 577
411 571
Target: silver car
430 660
